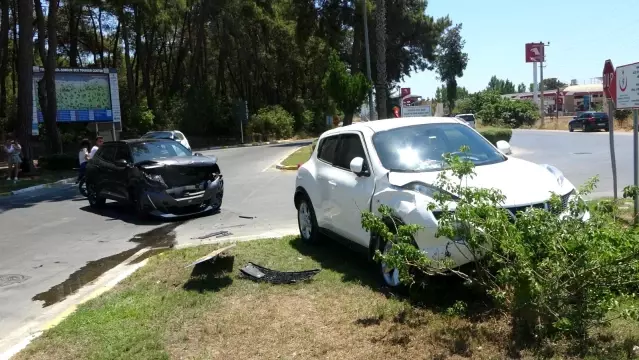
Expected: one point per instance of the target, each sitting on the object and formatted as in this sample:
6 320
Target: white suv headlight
556 172
428 190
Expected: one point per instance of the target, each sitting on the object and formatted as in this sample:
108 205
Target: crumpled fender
412 208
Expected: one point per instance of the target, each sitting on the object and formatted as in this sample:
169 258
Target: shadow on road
114 211
57 193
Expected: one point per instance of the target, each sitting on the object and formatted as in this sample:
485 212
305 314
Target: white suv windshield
419 148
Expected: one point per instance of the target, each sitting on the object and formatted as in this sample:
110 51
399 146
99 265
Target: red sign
534 52
405 91
609 81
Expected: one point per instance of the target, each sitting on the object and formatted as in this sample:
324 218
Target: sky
581 38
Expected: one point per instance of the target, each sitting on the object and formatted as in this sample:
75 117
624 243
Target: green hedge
58 162
494 134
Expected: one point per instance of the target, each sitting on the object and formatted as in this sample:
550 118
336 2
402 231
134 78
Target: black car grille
515 210
177 176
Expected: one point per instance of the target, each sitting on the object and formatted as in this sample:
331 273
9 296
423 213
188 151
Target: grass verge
44 177
298 157
163 312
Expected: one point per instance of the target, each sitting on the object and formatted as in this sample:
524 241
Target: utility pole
541 82
371 107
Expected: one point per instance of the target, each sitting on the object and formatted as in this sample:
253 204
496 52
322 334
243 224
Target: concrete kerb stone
251 144
285 167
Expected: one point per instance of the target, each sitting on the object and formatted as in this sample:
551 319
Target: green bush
58 162
494 110
495 134
556 276
272 122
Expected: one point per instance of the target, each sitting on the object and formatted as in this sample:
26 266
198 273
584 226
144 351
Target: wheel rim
391 275
83 187
304 219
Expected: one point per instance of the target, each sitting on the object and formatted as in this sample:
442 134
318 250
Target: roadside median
167 310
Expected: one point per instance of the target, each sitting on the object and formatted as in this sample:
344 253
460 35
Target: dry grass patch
162 312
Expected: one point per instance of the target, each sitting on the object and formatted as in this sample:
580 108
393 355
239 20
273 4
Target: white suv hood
522 182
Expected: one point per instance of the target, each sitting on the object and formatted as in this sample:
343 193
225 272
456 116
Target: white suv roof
392 123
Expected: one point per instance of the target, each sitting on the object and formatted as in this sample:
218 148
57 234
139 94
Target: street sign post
627 97
610 90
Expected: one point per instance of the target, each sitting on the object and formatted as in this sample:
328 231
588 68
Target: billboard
416 111
534 52
83 95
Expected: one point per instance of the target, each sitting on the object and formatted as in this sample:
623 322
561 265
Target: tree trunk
49 75
25 73
348 118
46 85
380 35
74 24
4 61
127 60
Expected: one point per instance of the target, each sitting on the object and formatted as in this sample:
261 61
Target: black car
589 121
157 176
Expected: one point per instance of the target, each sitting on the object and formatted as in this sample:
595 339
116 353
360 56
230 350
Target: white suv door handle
331 182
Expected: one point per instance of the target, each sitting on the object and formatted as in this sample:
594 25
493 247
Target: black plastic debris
216 234
247 217
211 256
259 273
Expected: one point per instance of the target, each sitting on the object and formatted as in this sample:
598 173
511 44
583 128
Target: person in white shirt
83 157
14 151
98 142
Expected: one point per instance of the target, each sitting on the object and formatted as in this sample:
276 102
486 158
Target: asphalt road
580 156
53 243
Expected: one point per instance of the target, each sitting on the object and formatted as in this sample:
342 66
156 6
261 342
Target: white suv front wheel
306 221
389 275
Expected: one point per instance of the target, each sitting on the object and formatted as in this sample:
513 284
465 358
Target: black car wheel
138 205
95 201
570 128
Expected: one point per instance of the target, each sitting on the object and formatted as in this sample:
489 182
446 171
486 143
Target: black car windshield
152 150
158 135
420 148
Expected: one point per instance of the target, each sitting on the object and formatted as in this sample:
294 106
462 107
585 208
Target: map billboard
83 95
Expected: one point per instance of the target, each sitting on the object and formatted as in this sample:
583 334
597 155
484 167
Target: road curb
285 167
252 144
38 187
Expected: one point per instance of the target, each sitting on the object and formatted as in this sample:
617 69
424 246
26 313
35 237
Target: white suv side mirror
504 147
357 165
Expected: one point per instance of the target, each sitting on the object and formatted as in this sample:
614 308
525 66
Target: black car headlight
155 180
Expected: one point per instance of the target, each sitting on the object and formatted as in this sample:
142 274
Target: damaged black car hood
179 161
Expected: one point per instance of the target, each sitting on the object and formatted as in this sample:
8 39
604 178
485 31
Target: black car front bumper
174 203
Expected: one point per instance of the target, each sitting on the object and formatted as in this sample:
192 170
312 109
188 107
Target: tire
307 222
82 187
570 128
95 201
138 206
216 202
607 129
389 277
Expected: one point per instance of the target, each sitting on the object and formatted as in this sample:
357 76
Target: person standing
98 142
14 151
83 157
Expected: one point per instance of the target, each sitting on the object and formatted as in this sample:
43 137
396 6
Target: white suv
395 162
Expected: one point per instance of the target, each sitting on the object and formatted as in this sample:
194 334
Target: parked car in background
469 118
396 162
159 177
168 134
589 121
